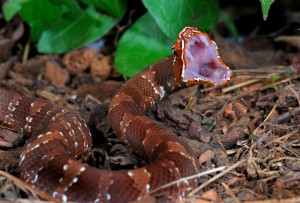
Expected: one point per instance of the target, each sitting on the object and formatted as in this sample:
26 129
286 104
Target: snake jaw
198 60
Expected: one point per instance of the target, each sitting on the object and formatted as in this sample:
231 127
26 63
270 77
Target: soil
250 126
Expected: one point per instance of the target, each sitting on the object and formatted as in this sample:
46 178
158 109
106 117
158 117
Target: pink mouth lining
203 62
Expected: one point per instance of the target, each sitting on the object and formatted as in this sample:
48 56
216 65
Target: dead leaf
45 94
9 34
100 67
208 197
79 60
206 156
235 111
55 74
292 40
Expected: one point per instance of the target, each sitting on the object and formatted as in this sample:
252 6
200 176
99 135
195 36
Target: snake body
59 136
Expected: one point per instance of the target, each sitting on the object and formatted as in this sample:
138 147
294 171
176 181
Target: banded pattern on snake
59 136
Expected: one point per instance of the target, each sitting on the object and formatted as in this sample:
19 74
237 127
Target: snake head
197 59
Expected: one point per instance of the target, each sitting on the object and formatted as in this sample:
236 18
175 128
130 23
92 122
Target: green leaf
275 78
62 25
11 8
265 6
141 45
68 34
173 16
69 4
115 8
39 14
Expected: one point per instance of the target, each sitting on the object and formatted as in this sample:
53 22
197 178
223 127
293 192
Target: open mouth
203 63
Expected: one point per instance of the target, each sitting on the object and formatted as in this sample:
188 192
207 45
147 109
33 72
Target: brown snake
59 136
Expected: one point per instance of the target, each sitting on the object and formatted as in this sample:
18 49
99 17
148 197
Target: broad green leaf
265 6
39 14
68 34
11 8
141 45
173 16
69 4
115 8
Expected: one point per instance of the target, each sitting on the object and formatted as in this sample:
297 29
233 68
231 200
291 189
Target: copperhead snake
59 136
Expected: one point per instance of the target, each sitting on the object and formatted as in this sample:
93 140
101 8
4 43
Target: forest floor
251 125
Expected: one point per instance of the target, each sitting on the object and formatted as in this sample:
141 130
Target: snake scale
59 136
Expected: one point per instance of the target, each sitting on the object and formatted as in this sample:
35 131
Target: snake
59 136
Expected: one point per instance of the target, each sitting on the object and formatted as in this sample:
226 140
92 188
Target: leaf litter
250 126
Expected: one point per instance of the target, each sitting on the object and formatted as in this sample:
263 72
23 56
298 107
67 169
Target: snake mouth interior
203 62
